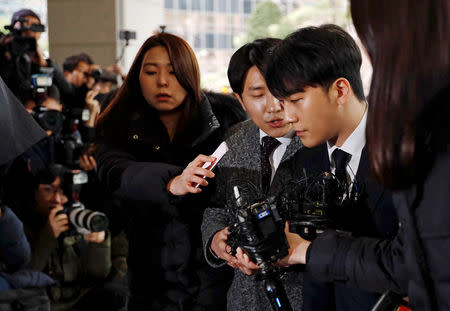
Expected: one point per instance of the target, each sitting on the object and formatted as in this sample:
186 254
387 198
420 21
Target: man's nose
273 104
289 112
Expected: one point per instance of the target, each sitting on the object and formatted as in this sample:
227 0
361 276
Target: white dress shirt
277 154
353 145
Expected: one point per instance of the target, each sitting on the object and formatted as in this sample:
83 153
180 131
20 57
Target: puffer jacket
166 266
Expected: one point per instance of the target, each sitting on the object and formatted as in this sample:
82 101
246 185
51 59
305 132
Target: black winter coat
166 264
415 262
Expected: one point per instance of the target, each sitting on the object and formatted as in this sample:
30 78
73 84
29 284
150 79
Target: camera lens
98 222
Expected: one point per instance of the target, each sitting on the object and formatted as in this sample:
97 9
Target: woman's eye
150 73
172 72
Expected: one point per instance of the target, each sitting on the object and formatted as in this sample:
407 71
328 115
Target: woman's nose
162 79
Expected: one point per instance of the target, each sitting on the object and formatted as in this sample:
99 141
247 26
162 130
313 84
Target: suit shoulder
239 128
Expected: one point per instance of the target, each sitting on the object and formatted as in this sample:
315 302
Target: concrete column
89 26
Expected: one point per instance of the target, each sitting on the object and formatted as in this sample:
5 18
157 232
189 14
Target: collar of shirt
277 155
353 145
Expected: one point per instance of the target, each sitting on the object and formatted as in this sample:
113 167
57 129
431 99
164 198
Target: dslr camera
259 230
16 52
20 45
81 219
48 119
316 202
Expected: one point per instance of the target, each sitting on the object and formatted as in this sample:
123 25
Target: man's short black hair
247 56
71 62
314 56
86 58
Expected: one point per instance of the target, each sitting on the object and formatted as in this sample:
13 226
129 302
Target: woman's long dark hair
409 46
113 122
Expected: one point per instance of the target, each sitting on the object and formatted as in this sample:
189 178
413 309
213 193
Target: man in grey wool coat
267 133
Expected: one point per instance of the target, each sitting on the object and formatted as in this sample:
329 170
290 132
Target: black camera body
21 45
259 230
48 119
16 52
315 203
81 220
69 149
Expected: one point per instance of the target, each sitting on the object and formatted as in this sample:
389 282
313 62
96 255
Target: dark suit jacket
373 215
415 261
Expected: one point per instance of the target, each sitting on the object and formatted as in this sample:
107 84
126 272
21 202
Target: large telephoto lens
89 220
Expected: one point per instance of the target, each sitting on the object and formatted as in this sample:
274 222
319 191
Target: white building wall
142 16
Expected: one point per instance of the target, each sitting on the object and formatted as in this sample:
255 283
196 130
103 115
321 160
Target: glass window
182 4
209 40
234 6
222 38
233 36
197 41
247 6
209 5
284 7
168 4
222 6
196 4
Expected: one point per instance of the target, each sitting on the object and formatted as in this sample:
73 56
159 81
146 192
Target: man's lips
300 132
276 123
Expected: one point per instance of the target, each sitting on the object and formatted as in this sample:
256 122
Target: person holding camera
315 73
20 56
153 138
259 160
80 263
20 288
407 139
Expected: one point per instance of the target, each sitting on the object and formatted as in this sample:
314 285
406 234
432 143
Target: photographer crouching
68 242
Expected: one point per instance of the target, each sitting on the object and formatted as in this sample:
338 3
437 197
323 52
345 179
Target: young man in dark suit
262 152
315 73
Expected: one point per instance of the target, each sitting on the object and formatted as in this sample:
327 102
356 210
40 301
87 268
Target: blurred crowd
60 171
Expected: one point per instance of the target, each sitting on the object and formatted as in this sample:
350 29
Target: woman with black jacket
153 140
408 141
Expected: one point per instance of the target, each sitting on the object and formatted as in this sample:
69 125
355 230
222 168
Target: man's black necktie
268 145
341 159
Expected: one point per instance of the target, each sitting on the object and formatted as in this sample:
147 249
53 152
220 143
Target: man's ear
240 100
341 90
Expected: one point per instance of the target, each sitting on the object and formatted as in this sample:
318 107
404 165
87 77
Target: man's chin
280 132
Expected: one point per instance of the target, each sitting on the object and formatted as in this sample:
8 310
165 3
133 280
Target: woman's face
159 85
